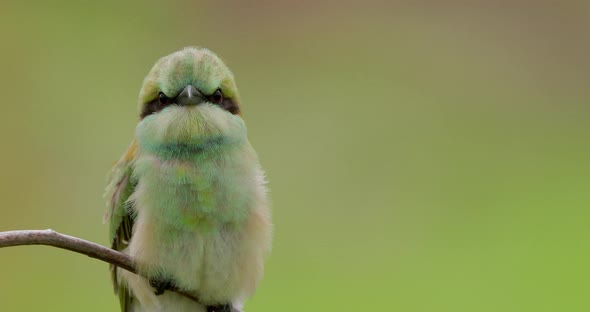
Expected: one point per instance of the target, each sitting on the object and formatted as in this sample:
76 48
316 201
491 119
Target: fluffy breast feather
204 223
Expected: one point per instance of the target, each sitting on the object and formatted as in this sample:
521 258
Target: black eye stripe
218 98
150 108
156 105
230 105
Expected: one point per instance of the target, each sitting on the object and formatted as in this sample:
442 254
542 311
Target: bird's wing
119 214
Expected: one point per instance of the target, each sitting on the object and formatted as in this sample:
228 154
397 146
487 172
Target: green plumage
119 190
188 199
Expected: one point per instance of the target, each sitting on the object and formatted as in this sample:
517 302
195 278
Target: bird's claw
161 286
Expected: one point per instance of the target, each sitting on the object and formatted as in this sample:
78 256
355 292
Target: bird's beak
190 96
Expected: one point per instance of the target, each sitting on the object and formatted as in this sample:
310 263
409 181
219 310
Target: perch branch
55 239
71 243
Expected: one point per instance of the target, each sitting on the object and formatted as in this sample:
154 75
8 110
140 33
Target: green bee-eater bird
188 199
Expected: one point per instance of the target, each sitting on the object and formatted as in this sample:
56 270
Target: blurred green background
422 156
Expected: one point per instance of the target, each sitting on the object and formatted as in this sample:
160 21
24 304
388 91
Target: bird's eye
216 97
164 100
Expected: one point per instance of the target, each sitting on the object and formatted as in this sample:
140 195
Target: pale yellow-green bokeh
423 156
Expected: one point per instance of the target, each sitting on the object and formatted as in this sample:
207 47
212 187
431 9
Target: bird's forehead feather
198 67
195 66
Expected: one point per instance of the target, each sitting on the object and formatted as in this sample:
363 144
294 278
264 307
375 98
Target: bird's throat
183 150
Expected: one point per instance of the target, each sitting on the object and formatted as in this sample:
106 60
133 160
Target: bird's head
188 100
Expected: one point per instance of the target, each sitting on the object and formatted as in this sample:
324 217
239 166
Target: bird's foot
161 286
220 308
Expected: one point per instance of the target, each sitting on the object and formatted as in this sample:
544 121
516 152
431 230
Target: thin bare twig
52 238
71 243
